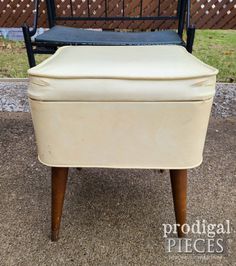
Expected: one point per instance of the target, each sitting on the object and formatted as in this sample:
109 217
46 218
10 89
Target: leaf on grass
229 52
9 46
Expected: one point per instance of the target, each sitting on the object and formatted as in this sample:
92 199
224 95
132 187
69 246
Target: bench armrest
35 22
188 14
190 28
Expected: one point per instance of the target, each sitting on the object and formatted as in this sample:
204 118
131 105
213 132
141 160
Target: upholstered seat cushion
125 73
61 35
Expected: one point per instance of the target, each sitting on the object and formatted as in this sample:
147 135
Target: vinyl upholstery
122 73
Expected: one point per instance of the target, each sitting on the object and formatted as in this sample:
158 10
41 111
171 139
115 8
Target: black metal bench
57 35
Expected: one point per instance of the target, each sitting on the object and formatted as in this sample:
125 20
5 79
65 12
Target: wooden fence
207 14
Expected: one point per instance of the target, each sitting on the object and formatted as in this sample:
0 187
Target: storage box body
125 122
121 134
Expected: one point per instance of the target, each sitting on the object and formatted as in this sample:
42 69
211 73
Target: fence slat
215 14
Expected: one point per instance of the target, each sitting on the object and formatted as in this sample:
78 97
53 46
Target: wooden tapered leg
179 191
59 180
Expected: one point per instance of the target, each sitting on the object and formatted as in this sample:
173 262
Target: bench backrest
116 10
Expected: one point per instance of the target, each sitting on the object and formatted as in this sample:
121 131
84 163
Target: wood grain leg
179 191
59 180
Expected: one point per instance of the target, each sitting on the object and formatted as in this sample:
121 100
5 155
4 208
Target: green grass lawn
214 47
218 48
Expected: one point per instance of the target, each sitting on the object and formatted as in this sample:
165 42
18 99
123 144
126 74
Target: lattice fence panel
217 14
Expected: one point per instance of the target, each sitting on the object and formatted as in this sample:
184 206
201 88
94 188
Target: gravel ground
13 97
225 100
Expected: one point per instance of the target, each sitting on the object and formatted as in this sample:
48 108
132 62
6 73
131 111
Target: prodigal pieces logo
201 237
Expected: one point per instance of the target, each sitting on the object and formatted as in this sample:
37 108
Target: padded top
122 73
62 35
128 62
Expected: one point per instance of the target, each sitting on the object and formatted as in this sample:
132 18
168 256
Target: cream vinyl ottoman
121 107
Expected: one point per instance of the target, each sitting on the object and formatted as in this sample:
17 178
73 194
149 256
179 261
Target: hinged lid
123 62
122 73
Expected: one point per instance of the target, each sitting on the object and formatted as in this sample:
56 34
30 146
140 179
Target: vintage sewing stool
121 107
